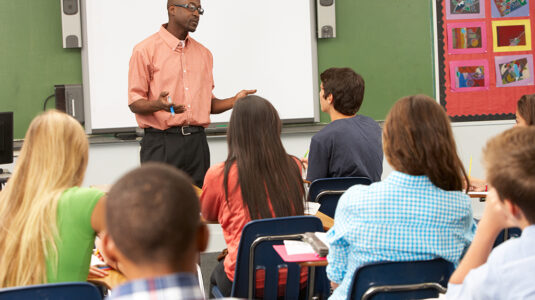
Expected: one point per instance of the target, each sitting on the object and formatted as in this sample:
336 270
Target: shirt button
184 71
186 89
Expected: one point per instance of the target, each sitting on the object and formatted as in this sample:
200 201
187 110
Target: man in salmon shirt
170 86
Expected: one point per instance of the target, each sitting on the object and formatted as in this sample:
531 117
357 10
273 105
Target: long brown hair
265 170
526 108
418 140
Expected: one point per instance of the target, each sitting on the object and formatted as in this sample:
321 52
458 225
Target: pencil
470 168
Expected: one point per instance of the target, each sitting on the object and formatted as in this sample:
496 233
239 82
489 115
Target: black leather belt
184 130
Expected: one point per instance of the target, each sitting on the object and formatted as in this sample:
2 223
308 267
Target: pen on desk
172 109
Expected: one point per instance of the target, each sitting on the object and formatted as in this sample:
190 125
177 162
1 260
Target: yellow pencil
470 167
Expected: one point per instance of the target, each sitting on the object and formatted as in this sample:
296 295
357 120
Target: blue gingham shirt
507 274
179 286
402 218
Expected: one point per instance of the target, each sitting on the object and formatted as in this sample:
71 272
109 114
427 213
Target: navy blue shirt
349 147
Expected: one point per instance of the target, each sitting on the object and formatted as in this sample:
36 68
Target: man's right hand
164 104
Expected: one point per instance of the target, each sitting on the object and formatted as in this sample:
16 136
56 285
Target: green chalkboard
389 42
32 59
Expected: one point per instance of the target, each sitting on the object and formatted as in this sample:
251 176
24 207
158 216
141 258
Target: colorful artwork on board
511 35
469 75
467 38
465 9
515 70
510 8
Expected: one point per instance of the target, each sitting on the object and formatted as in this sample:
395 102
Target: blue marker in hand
171 108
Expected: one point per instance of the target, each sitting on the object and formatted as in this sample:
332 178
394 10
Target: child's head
510 164
254 126
417 140
55 146
343 88
525 110
153 219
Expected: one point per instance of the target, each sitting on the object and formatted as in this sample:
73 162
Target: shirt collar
184 280
530 230
410 181
172 41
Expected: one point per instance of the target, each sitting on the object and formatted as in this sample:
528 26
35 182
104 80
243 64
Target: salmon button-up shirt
162 62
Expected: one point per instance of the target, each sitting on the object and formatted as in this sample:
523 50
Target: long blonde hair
53 158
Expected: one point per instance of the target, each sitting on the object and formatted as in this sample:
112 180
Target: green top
76 236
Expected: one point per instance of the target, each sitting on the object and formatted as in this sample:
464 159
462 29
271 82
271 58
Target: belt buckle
182 129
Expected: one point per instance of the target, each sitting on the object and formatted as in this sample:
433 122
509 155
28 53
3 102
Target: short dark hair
526 108
347 88
510 164
152 214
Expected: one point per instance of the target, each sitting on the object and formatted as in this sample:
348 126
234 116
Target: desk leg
312 281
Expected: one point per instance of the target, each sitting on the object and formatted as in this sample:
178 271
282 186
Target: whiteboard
256 44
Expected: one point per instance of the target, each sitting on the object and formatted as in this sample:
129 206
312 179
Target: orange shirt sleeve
138 77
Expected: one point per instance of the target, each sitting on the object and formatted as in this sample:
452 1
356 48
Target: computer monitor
6 137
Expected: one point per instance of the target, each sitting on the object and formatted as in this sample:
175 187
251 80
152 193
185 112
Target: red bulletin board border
494 103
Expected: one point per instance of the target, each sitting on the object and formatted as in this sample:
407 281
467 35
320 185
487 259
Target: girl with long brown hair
258 180
418 212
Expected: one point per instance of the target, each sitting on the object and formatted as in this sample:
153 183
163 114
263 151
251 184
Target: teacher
170 85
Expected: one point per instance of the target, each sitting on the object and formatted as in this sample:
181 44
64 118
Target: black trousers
220 279
189 153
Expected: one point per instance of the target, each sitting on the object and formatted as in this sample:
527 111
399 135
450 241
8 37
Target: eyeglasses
191 7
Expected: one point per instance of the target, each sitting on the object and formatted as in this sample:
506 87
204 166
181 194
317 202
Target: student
525 116
155 233
508 272
525 110
48 221
351 144
418 212
258 180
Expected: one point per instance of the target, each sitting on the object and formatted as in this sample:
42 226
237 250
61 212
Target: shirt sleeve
80 203
138 77
338 245
318 160
212 194
472 287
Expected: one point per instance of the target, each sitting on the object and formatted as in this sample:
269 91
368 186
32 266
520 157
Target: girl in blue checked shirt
418 212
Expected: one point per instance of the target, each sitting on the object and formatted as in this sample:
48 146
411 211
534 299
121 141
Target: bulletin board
485 56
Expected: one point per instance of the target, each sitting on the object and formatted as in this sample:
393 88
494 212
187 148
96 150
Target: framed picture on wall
511 35
514 70
465 9
469 75
509 8
468 37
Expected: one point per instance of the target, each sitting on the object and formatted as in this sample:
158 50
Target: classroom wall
389 42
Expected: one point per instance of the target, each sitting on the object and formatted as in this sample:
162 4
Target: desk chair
256 252
327 191
401 280
53 291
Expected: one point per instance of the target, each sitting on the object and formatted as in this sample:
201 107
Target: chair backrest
401 280
327 191
53 291
266 258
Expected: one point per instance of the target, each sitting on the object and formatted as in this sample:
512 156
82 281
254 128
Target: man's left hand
243 94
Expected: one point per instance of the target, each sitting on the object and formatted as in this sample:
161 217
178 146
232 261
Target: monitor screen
6 137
